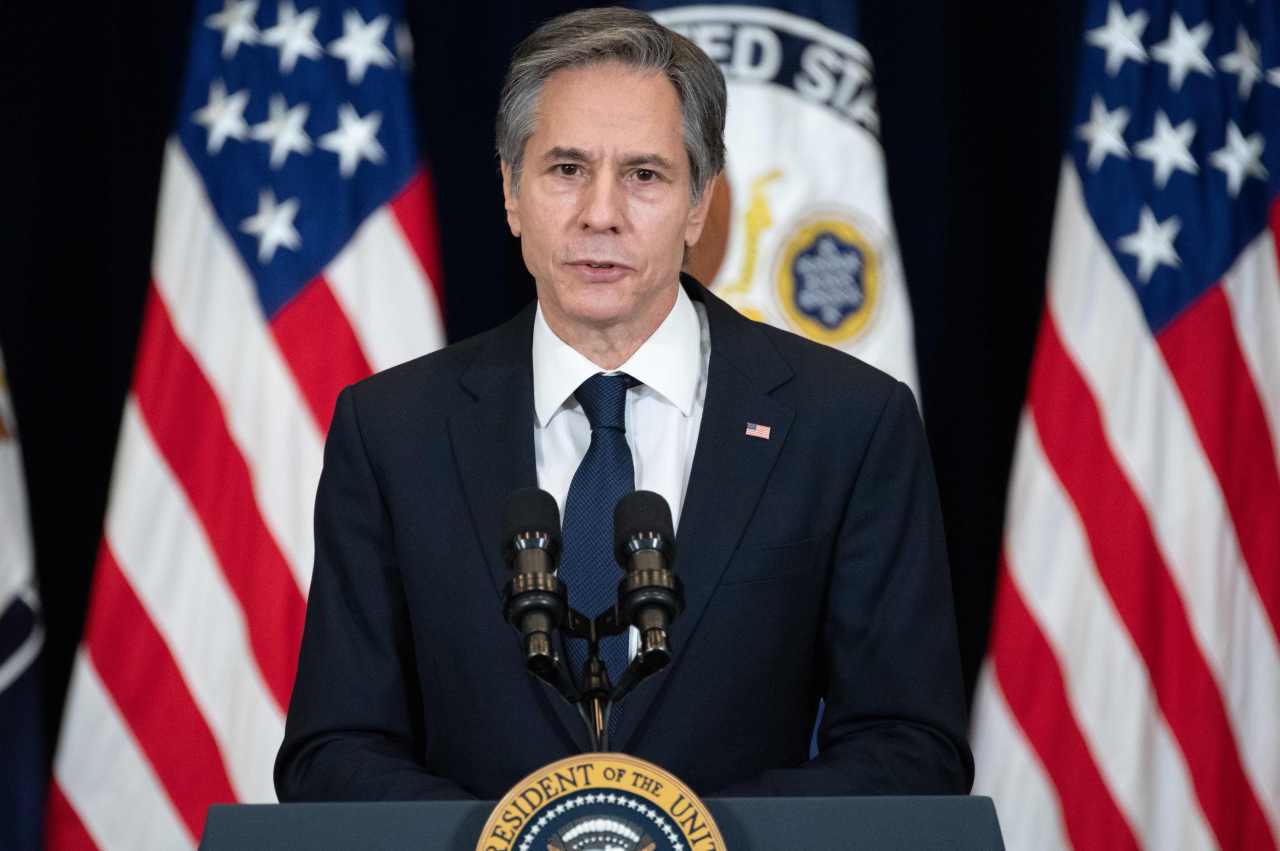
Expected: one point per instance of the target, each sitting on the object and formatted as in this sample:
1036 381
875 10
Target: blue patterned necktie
604 476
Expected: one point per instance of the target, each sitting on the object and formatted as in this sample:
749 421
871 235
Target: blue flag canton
1176 138
298 119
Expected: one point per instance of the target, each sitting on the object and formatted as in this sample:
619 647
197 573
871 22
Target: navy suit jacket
813 562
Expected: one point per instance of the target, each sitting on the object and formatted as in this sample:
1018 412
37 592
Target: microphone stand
598 693
650 594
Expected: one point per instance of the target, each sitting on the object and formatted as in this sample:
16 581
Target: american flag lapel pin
757 430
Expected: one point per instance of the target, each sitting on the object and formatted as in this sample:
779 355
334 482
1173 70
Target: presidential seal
600 802
827 281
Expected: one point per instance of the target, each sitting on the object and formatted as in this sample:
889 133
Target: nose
602 205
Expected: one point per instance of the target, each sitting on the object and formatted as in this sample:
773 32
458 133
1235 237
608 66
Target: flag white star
404 45
223 115
283 130
355 139
1120 37
1152 243
273 225
1241 157
361 44
1168 148
294 36
1245 62
1183 50
1104 131
236 23
1273 76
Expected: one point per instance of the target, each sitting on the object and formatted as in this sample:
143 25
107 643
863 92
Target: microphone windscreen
639 512
530 510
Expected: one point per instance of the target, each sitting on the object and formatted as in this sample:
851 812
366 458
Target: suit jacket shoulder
838 400
831 376
427 390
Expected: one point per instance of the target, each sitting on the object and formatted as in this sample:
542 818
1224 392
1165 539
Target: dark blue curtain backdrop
974 102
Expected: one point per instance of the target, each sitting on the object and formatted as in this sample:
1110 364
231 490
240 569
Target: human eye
568 169
646 175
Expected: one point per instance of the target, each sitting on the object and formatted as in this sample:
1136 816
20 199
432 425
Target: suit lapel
730 470
493 439
493 449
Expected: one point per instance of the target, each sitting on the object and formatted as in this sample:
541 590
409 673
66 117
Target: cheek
665 227
540 232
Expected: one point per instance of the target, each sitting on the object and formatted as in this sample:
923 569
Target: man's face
603 209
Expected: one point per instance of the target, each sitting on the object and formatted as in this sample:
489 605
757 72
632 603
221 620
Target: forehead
604 109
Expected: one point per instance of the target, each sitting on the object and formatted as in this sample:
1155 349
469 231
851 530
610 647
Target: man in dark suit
809 537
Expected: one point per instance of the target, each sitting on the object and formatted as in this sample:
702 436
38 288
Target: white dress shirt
663 412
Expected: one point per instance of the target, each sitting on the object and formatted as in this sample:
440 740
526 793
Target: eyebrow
570 154
562 154
635 160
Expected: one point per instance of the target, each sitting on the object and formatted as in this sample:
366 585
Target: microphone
535 600
650 595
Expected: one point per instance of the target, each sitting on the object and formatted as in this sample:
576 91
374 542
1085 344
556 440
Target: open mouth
598 270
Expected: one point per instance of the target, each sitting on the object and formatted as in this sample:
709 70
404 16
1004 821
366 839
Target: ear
510 202
698 214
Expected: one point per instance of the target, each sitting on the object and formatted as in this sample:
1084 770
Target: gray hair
596 36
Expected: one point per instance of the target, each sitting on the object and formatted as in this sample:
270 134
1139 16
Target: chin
582 301
599 311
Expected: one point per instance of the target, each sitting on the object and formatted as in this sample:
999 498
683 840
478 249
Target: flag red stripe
1138 581
320 347
187 423
1035 690
139 671
1203 352
63 830
415 211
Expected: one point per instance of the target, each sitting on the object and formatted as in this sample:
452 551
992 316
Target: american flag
1131 696
21 638
295 253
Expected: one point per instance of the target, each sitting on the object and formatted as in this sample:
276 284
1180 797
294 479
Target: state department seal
827 280
800 232
600 802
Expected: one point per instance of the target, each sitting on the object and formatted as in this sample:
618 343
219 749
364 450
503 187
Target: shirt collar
667 363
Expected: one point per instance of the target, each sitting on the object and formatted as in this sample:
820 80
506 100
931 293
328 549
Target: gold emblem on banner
600 800
707 256
756 221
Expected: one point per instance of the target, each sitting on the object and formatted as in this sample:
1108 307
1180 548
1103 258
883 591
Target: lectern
747 824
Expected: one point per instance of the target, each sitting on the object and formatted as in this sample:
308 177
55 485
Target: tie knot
604 399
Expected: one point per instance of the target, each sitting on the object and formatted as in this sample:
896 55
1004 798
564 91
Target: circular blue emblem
828 281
